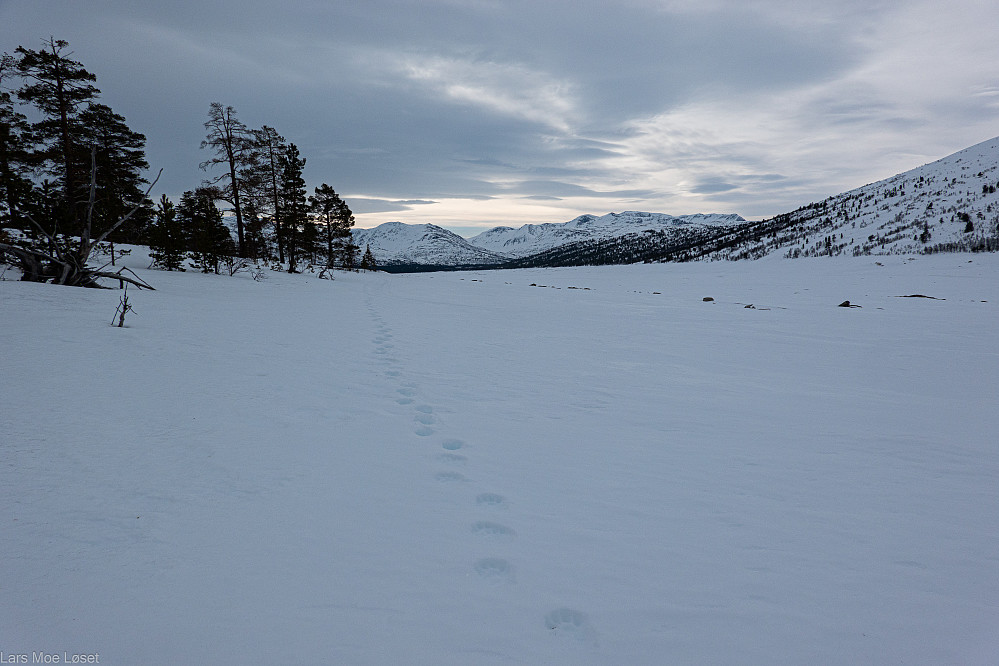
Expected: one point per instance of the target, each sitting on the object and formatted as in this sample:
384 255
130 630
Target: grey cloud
360 205
556 189
330 77
712 186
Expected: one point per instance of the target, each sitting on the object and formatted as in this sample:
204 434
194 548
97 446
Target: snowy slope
533 238
551 466
926 209
399 243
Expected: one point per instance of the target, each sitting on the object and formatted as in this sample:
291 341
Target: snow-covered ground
463 468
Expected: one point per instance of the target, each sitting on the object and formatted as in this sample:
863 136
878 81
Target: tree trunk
278 230
241 247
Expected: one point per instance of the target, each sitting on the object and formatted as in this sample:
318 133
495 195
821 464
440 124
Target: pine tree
368 260
15 154
234 146
336 217
293 201
348 252
925 235
253 226
120 160
264 179
208 237
166 238
58 87
69 142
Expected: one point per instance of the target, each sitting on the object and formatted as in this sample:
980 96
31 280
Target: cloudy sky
475 113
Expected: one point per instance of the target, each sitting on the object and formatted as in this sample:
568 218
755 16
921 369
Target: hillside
532 239
395 243
945 206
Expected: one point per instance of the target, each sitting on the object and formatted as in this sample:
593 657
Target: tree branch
132 212
137 281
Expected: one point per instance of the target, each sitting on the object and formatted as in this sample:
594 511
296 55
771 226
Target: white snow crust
562 466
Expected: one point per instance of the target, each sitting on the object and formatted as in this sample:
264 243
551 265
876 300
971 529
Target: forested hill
950 205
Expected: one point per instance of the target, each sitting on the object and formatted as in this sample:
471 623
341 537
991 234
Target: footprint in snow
453 458
452 444
493 530
405 401
425 409
392 373
407 391
568 622
495 570
425 419
450 477
490 499
424 431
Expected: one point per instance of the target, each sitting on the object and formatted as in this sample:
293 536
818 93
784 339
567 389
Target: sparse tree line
76 177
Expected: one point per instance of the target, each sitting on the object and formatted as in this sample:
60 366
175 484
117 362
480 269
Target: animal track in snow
407 391
405 401
424 431
490 499
426 419
450 477
494 570
571 623
453 458
452 444
488 529
426 409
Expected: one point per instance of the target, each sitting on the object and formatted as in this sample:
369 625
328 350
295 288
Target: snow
427 244
889 217
463 468
400 243
533 238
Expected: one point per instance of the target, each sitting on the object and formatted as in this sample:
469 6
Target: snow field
464 468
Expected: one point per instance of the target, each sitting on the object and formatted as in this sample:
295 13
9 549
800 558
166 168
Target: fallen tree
55 259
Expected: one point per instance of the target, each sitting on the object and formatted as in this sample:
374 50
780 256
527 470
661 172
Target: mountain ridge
531 239
397 243
948 205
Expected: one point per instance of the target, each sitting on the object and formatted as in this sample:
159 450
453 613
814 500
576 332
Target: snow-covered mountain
945 206
948 205
534 238
421 244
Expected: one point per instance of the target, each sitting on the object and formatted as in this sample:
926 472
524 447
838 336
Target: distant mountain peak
534 238
421 244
